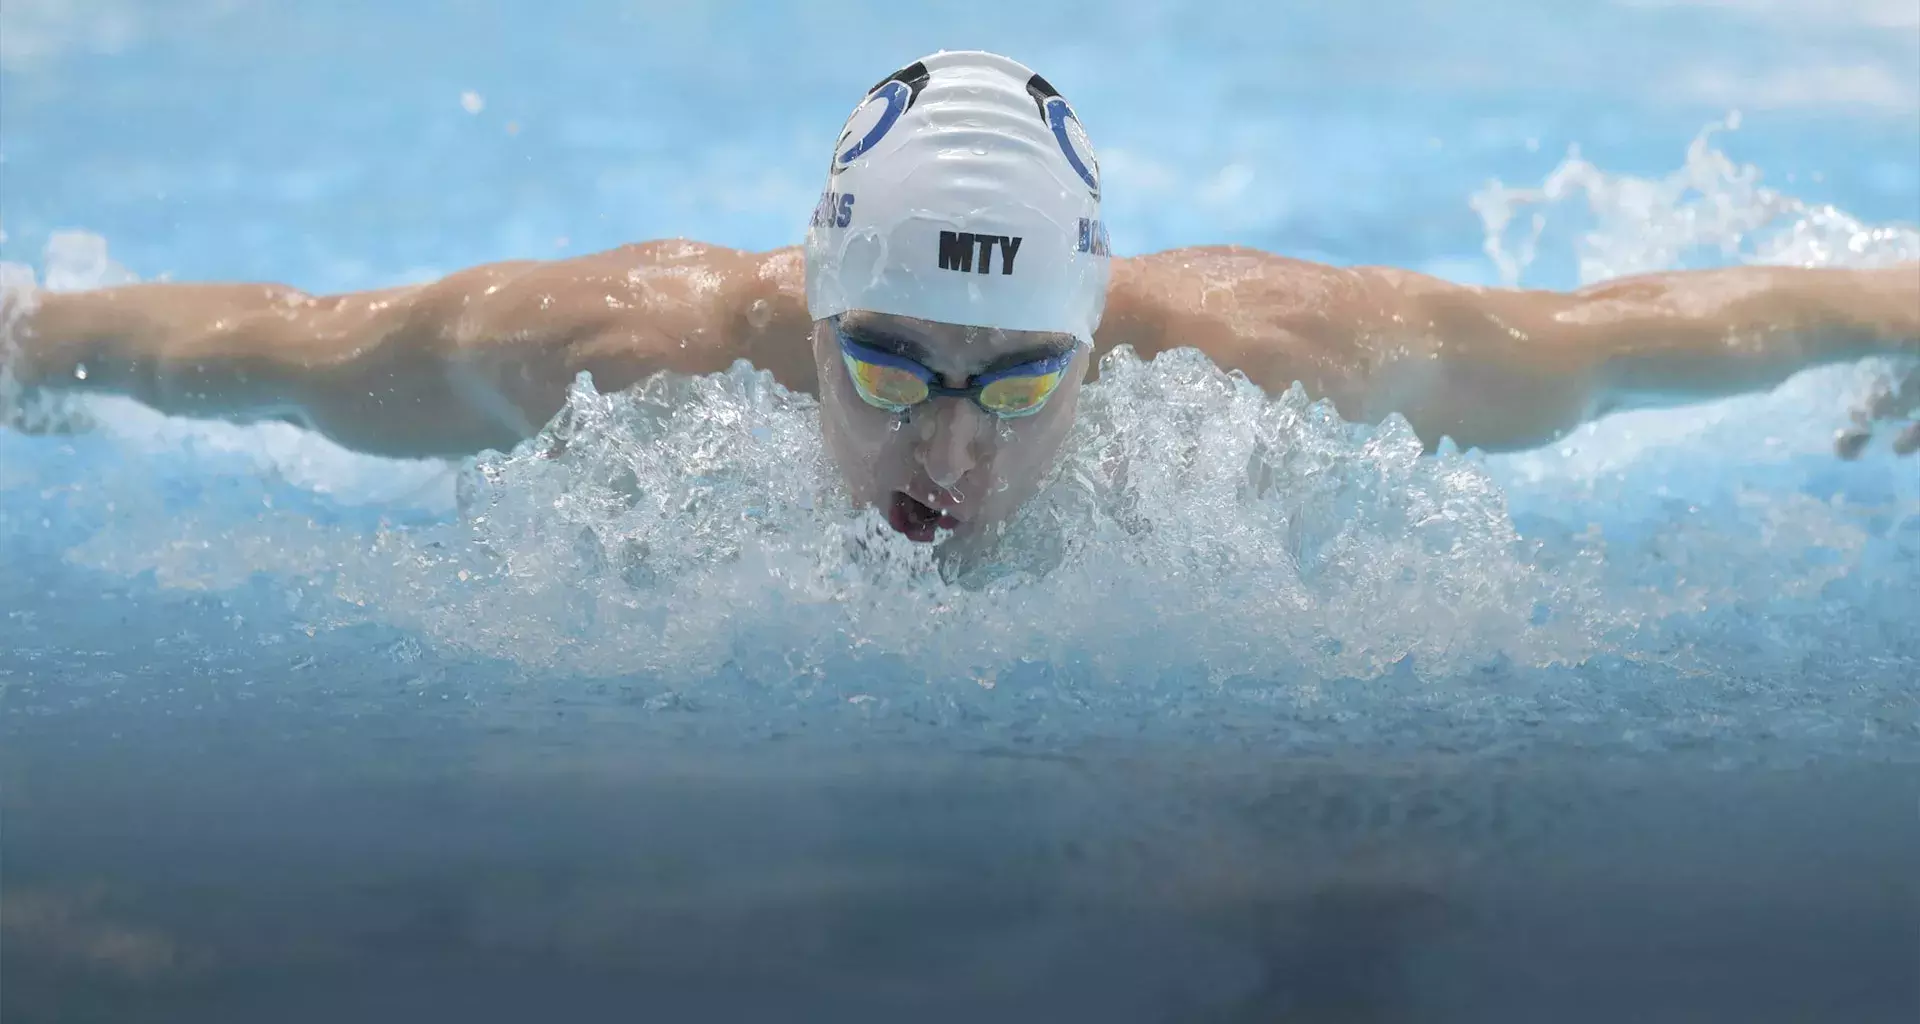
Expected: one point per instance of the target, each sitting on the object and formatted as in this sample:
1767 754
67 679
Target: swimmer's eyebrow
1035 354
888 342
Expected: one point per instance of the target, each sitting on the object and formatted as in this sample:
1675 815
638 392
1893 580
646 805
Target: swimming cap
963 190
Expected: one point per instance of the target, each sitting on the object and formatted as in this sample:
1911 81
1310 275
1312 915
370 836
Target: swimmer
953 292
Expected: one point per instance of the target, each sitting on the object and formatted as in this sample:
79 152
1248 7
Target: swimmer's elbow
1487 397
417 438
1493 432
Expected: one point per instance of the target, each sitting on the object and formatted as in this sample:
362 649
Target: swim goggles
896 383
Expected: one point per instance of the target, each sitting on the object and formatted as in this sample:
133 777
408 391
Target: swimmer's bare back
482 358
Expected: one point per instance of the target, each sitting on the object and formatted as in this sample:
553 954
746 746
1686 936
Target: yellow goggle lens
889 387
1020 396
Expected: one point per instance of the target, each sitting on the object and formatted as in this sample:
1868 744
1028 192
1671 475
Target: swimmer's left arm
1502 369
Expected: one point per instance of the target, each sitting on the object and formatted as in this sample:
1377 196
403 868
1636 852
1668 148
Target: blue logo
834 210
1093 238
897 95
1072 141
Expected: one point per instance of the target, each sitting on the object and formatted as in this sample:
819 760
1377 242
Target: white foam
1710 211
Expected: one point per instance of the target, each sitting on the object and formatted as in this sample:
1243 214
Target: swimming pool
1258 713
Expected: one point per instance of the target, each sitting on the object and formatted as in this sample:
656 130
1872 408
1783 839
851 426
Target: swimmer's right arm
479 359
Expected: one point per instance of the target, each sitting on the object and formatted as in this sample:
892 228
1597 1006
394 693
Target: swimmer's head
958 238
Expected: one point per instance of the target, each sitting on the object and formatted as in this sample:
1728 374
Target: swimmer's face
947 462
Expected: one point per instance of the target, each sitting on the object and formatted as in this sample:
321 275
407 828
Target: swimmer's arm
479 359
1502 369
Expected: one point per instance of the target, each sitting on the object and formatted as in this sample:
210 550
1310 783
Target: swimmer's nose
949 439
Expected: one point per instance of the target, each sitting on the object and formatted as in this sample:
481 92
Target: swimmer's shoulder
1240 290
677 305
1237 280
1275 318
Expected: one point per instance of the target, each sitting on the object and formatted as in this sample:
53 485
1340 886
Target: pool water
1255 715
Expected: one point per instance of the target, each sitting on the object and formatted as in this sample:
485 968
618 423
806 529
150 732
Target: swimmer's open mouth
915 519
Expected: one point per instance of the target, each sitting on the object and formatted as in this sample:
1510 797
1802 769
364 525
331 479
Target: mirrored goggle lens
1020 396
888 387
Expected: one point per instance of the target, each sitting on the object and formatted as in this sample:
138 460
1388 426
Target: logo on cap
897 91
1067 131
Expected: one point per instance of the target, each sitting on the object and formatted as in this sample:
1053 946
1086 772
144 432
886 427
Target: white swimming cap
963 190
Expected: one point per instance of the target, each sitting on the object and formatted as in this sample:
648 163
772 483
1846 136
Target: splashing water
1204 556
1711 211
